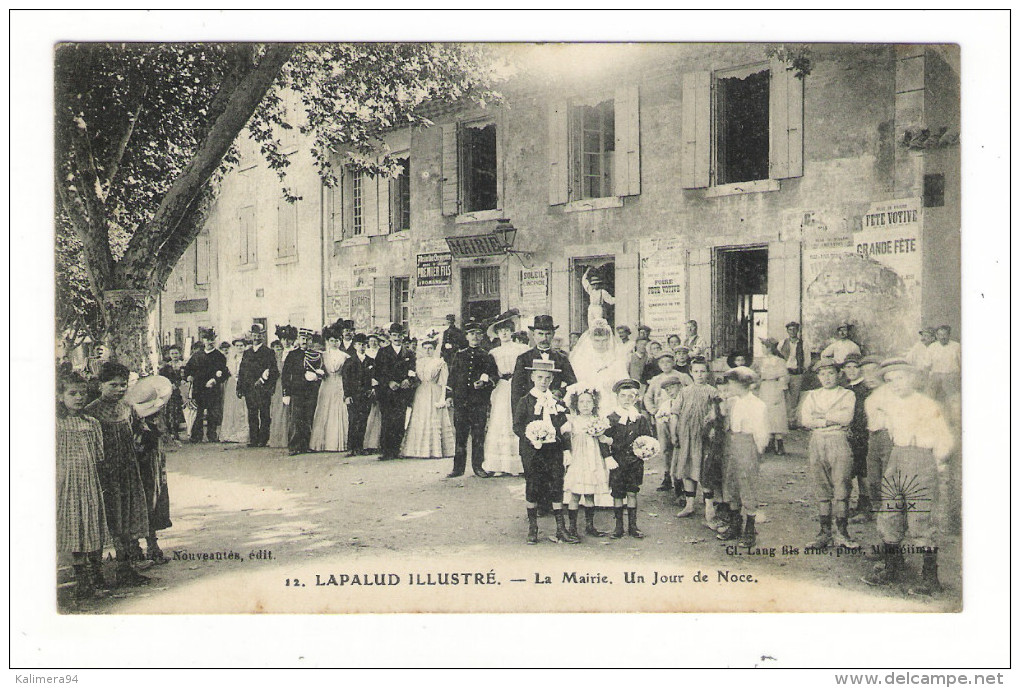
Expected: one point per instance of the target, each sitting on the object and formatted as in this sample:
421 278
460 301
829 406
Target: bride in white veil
599 360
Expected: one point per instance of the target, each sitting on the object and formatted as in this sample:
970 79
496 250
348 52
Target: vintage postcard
508 327
350 329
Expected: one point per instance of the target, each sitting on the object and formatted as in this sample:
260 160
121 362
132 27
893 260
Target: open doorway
741 304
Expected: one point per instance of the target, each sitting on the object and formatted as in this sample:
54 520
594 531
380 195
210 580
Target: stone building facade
709 182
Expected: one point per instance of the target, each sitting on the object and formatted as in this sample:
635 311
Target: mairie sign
476 246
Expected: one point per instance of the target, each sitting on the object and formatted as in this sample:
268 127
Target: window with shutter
478 166
400 197
741 126
202 258
246 236
286 229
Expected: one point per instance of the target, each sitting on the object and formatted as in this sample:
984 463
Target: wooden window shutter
347 201
450 185
699 291
627 174
380 301
627 292
286 229
336 209
385 213
558 152
786 114
696 130
242 237
784 286
370 204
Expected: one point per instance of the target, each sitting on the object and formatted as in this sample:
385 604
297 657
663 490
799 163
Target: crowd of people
579 424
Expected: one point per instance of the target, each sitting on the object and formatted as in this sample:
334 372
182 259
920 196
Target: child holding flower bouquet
586 471
633 442
539 418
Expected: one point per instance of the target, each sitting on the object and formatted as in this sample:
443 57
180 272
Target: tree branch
136 267
189 229
118 153
98 261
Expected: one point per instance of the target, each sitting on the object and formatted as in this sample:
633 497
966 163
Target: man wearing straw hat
914 479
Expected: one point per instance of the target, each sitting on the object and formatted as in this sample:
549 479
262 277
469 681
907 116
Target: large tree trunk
128 332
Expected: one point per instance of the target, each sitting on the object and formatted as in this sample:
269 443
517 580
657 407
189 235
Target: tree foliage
145 132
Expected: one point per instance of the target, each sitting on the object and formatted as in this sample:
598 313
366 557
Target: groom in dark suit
394 369
543 332
256 380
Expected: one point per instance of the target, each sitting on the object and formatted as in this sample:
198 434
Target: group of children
111 480
867 422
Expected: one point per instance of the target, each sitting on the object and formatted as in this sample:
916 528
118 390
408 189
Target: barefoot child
538 421
627 424
692 418
123 494
586 472
81 516
748 435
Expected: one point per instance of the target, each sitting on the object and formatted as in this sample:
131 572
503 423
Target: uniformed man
472 377
302 375
256 380
543 332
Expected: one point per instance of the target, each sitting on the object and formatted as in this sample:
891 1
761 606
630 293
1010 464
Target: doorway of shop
741 305
480 290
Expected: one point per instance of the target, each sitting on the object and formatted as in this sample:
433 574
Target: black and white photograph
489 326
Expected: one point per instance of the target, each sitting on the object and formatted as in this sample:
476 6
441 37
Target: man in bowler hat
394 366
472 377
543 331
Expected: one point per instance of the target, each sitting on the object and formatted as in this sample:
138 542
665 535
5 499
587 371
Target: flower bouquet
646 447
540 432
597 426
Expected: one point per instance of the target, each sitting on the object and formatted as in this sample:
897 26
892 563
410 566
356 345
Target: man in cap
395 371
302 376
748 435
828 412
841 345
543 330
914 480
256 380
453 340
791 349
472 378
207 371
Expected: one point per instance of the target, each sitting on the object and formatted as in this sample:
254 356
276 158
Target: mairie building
715 182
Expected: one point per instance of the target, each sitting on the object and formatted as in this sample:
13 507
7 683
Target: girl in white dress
429 433
235 413
502 456
329 427
775 379
587 474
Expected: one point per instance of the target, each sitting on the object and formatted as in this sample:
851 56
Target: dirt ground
272 518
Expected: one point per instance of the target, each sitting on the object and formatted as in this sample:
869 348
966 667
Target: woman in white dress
429 433
502 456
775 379
234 427
599 361
329 428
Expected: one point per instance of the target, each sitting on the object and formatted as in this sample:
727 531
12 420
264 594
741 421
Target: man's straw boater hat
548 366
